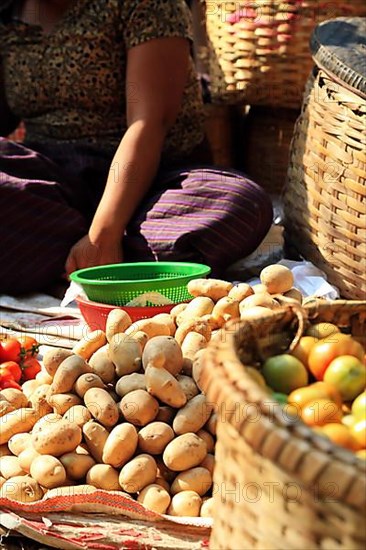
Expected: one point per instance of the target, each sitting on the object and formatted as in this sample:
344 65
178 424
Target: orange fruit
358 431
303 348
319 390
340 435
320 412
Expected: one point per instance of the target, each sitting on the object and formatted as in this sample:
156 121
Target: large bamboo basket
266 146
278 484
258 52
325 196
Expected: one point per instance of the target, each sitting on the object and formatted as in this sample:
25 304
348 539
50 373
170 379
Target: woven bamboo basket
325 196
258 52
278 484
266 146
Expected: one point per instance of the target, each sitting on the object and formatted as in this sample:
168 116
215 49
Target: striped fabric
200 214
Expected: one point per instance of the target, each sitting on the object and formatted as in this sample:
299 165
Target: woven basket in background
277 483
258 52
325 196
266 146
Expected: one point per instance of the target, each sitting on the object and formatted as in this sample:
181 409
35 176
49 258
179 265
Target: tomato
358 431
10 350
318 390
324 351
322 330
31 367
320 412
359 406
9 383
284 373
340 435
303 348
348 375
12 368
30 346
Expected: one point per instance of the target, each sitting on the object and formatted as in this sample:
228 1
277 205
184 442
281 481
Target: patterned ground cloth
48 197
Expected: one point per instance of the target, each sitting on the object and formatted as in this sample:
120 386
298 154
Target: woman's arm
156 74
8 121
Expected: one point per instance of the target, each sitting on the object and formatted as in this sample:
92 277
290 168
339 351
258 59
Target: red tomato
29 346
12 368
31 367
10 350
9 384
323 353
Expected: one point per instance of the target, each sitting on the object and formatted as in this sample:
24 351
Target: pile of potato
123 411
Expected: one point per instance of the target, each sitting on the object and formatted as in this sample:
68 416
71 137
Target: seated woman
115 165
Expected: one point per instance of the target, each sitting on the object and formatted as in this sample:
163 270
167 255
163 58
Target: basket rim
226 383
76 276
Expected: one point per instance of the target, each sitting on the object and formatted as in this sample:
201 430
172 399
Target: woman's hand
86 253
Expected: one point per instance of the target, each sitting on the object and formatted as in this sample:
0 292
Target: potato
29 386
5 407
70 491
140 337
155 498
277 278
76 465
240 291
19 442
78 414
199 306
46 420
38 400
154 437
15 397
187 366
264 299
255 312
193 416
139 407
197 368
165 414
90 344
118 320
151 326
162 483
130 382
193 325
67 374
26 458
43 377
213 288
62 402
212 423
56 440
188 385
259 288
102 365
176 311
121 445
192 343
164 386
185 503
164 471
207 507
225 309
103 476
10 467
15 422
21 489
48 471
2 481
102 406
196 479
53 358
87 381
125 352
294 294
184 452
138 473
4 450
207 437
163 352
168 320
95 437
209 463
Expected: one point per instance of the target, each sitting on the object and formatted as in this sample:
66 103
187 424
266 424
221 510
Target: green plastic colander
118 284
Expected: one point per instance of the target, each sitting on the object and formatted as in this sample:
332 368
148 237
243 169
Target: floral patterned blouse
69 85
